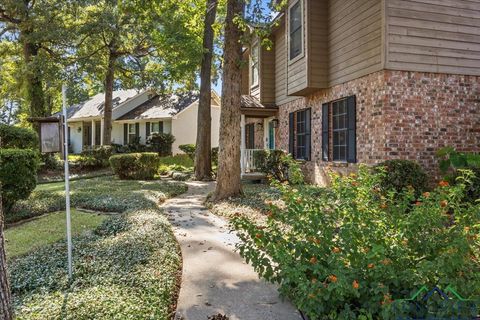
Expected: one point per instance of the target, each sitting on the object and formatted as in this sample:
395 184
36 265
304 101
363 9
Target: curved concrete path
215 279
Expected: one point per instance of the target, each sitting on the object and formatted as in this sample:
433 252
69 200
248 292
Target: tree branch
6 18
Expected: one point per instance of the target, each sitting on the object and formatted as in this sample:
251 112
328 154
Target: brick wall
400 115
258 135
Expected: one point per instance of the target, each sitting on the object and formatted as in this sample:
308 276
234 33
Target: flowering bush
349 252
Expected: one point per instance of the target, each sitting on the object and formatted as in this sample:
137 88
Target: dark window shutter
308 135
352 130
160 126
147 129
125 133
291 134
137 130
325 132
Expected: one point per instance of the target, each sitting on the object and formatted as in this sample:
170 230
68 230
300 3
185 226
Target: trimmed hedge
18 175
403 174
95 157
16 137
135 166
189 149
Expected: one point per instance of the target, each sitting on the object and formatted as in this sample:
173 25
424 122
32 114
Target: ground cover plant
127 268
94 194
352 251
31 235
179 162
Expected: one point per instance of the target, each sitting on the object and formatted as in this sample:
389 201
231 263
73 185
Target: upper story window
296 30
254 65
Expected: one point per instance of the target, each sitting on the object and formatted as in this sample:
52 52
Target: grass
127 268
179 159
46 230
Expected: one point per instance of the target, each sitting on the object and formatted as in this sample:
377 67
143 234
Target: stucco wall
184 127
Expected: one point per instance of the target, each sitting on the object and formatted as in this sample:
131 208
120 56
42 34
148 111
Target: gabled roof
162 106
95 105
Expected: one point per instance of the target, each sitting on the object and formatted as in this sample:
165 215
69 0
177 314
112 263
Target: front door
87 133
271 135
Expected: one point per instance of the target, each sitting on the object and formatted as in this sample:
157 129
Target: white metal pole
67 182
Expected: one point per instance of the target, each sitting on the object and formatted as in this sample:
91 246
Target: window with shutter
300 134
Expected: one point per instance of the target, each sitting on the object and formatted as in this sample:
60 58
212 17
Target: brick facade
258 134
400 115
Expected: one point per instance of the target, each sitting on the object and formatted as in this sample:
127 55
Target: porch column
242 145
93 133
102 125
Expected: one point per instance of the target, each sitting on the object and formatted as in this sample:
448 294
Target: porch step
254 176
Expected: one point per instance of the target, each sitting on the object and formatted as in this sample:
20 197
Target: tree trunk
107 111
203 153
6 312
33 81
228 179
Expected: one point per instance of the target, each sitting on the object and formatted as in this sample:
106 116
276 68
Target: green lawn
47 229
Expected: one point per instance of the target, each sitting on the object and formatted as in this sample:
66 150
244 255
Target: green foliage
348 252
17 137
279 165
50 161
136 166
188 149
94 194
215 156
18 175
126 269
161 143
95 157
451 162
402 174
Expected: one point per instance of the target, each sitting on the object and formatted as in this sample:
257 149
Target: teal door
271 136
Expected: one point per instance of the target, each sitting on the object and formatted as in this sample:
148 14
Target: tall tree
229 179
203 154
6 312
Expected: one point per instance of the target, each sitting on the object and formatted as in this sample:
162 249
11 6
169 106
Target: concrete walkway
215 279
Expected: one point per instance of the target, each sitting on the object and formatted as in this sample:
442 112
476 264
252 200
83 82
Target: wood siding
297 79
440 36
267 76
317 47
354 39
245 73
280 49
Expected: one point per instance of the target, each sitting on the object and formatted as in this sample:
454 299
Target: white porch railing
248 161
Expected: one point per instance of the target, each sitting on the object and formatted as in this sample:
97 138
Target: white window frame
256 47
151 127
302 23
130 133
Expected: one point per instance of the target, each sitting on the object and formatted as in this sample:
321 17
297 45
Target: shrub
95 157
215 156
279 165
189 149
16 137
401 174
50 161
349 252
161 143
18 175
136 166
452 162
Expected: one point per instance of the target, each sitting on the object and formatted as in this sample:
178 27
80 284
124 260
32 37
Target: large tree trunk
107 111
33 81
203 154
6 312
228 179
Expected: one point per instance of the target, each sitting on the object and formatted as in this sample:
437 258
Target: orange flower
386 261
336 250
426 194
443 203
371 266
383 206
313 260
332 278
443 183
299 200
270 214
418 203
258 236
355 284
355 183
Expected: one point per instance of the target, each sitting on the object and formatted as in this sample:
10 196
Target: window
250 136
131 132
299 134
339 130
155 127
254 65
296 32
